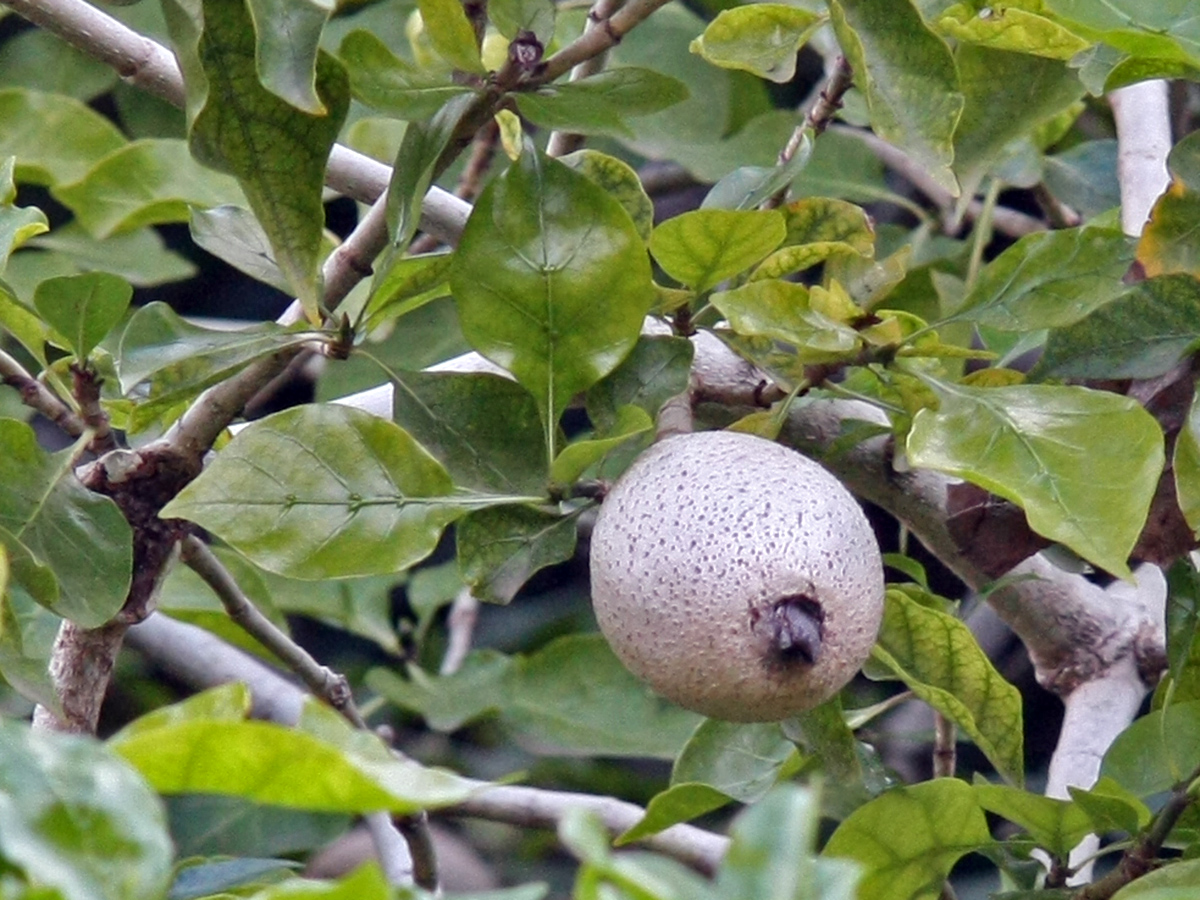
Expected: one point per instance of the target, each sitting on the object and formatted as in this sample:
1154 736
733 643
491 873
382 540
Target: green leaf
148 182
203 879
1141 334
499 549
17 223
1085 177
287 37
1011 28
1083 464
383 81
55 139
1186 465
762 38
678 803
483 428
511 17
1050 279
939 660
1157 752
1175 881
361 606
83 308
233 234
600 103
741 761
657 369
180 359
79 819
771 853
1138 27
212 825
406 283
702 248
618 179
995 116
80 536
1111 807
38 59
942 822
323 764
452 33
448 702
575 694
23 324
414 171
781 310
347 494
822 731
909 79
27 634
1056 825
551 281
575 459
276 152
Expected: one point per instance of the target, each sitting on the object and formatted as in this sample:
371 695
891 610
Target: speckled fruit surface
693 551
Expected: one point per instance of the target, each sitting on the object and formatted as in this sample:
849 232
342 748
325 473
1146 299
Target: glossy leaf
702 248
678 803
83 308
551 281
782 311
483 428
384 82
349 495
909 79
501 548
1157 752
1011 28
620 181
1083 464
148 182
17 223
762 38
325 765
287 36
203 879
995 116
404 284
180 359
1168 242
276 151
55 139
576 458
741 761
80 536
1056 825
940 661
657 369
1050 279
1141 334
79 819
1187 466
600 103
452 33
942 822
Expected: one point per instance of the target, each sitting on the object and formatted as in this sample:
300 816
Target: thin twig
330 686
563 142
37 396
85 384
464 613
600 39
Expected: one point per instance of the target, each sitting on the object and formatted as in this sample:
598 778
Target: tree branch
595 41
37 396
1143 142
563 142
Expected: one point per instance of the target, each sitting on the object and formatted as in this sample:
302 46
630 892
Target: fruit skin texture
695 548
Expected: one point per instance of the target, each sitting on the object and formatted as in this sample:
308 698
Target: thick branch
37 396
1143 142
598 40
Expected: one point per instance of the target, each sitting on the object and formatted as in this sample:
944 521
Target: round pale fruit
736 577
